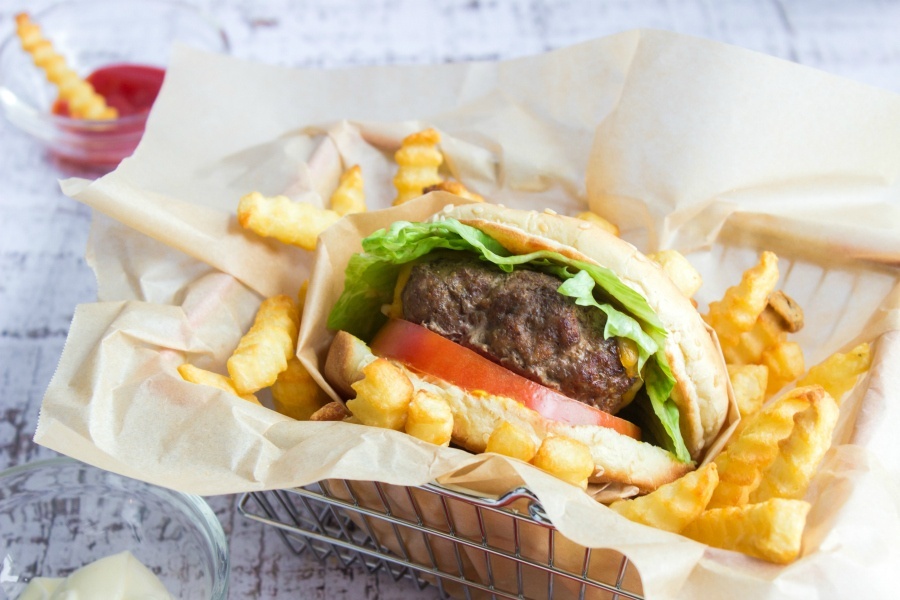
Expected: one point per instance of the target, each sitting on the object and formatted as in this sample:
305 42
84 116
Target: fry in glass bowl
83 101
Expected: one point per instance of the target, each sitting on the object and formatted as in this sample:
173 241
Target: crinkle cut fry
771 530
672 506
200 376
295 223
264 350
349 197
840 371
742 304
750 453
383 396
295 393
83 101
800 454
418 160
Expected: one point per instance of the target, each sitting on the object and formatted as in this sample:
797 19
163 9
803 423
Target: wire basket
467 546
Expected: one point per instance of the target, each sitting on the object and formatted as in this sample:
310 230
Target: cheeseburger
543 321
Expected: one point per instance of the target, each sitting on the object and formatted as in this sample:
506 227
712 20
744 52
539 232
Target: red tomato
430 353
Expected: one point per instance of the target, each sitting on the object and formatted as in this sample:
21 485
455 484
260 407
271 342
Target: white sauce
117 577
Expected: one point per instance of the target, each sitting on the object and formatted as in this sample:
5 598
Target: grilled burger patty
520 321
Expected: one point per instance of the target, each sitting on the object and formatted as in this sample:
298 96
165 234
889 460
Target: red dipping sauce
130 89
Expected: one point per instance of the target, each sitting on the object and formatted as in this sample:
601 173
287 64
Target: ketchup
131 89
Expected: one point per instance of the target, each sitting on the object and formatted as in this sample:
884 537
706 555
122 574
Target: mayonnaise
117 577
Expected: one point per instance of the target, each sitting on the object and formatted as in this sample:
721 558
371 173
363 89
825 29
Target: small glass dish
91 34
58 515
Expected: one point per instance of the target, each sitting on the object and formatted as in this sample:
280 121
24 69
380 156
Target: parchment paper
713 150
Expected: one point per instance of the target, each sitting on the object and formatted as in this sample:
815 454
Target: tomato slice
425 351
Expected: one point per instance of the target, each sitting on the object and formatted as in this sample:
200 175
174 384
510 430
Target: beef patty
520 321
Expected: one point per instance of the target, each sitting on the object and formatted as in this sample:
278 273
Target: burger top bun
700 390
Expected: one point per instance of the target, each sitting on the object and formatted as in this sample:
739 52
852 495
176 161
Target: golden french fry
429 418
265 349
295 393
751 451
742 304
350 196
592 217
418 160
767 332
771 530
749 383
333 411
200 376
511 440
672 506
785 363
568 459
279 217
680 271
840 371
382 396
455 188
83 101
801 452
781 316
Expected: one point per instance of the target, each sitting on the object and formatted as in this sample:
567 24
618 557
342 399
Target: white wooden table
43 274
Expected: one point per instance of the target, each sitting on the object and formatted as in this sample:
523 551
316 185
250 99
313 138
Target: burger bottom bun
617 458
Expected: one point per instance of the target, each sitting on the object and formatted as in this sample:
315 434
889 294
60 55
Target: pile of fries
748 498
265 356
300 223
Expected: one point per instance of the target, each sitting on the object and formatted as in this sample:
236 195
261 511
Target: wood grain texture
43 273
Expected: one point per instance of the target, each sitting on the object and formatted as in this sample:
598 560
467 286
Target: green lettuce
372 275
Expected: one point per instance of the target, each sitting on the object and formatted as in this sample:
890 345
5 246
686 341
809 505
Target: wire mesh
467 547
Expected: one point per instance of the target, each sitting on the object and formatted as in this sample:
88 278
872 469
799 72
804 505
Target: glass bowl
58 515
91 34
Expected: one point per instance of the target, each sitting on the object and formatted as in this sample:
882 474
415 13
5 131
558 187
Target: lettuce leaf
372 275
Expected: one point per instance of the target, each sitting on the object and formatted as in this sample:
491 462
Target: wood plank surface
43 273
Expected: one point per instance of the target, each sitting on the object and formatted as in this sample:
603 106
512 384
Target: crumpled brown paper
685 143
